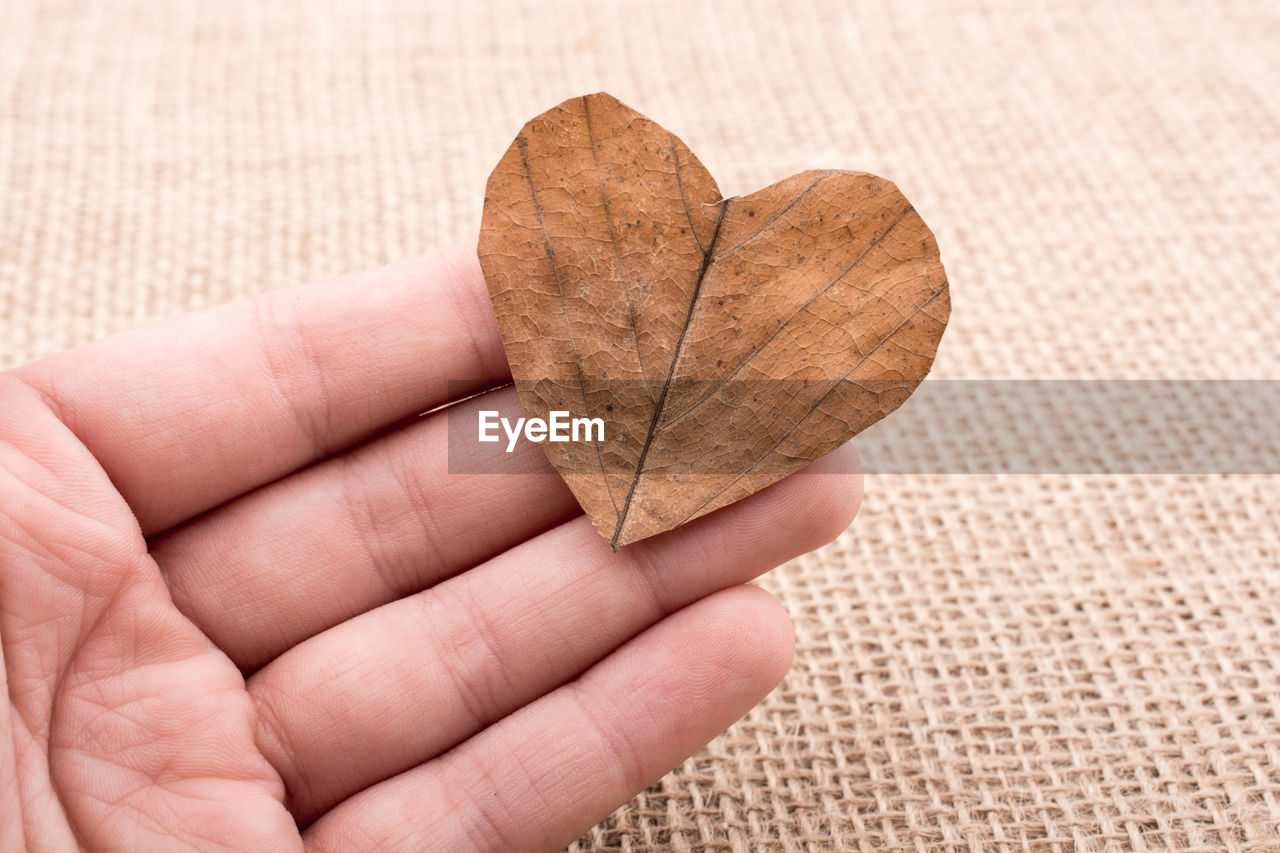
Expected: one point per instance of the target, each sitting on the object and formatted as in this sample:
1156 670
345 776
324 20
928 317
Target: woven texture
1040 663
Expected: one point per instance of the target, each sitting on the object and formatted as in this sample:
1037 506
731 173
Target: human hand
245 606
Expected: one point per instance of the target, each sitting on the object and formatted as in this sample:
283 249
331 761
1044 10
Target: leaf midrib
666 384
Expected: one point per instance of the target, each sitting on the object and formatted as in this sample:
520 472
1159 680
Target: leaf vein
791 431
755 352
523 145
617 249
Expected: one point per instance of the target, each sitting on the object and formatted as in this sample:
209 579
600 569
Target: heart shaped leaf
725 343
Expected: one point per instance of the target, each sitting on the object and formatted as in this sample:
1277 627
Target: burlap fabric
1044 663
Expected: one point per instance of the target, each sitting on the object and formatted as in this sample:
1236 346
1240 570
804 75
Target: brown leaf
725 342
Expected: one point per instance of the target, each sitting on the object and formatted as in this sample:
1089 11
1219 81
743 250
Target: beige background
1044 663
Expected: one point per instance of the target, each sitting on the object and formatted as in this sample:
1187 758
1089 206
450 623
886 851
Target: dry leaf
725 342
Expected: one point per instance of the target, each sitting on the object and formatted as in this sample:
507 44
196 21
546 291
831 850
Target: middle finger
304 553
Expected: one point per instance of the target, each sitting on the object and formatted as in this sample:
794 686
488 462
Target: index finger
188 413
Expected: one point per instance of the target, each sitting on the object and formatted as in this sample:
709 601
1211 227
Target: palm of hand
227 624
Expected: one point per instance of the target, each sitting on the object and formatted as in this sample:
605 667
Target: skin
245 606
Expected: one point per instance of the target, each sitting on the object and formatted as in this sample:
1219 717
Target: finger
392 517
413 678
188 413
544 775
